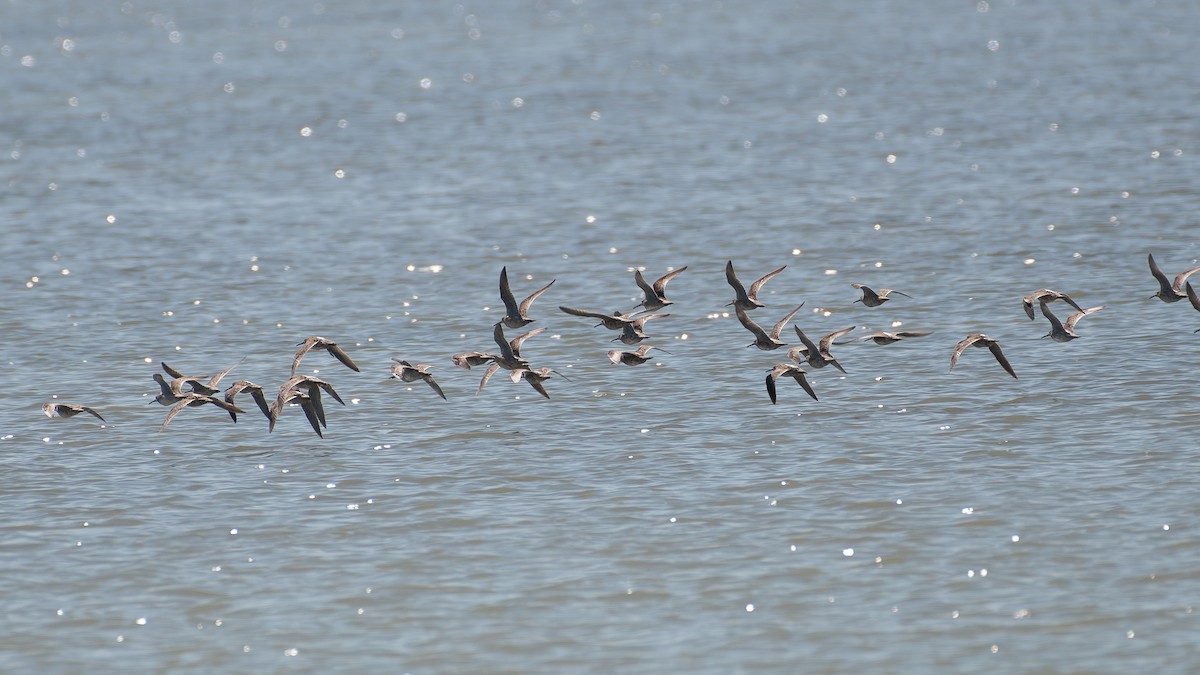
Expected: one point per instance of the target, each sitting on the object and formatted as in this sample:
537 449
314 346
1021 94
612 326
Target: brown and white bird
509 357
255 391
883 337
190 400
318 342
763 340
817 354
655 293
517 315
68 410
747 299
634 358
407 372
873 298
1065 331
197 385
1169 291
1045 295
307 390
469 359
788 370
981 340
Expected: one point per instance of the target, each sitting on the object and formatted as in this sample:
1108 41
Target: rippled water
200 182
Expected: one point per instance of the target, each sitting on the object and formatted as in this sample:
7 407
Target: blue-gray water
200 182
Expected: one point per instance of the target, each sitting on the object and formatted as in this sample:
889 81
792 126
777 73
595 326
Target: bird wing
506 295
783 322
771 384
994 348
1182 278
1192 298
169 370
487 375
305 346
738 288
828 339
1163 283
430 381
1074 318
660 284
506 350
758 284
648 290
524 308
961 346
515 344
336 352
802 380
1055 324
183 403
749 324
311 413
88 410
810 347
588 314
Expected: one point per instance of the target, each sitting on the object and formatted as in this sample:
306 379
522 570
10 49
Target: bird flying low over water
873 298
981 340
197 385
788 370
817 355
1065 331
747 299
763 340
316 341
407 372
67 410
517 315
1045 295
255 391
307 390
883 337
1169 291
655 298
634 358
614 321
190 400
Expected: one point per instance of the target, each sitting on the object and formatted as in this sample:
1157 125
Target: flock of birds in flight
183 391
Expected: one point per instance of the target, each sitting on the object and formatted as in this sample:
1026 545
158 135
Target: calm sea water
199 183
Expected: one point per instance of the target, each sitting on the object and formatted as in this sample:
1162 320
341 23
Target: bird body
407 372
763 340
517 315
788 370
981 340
68 410
747 299
655 293
316 341
873 298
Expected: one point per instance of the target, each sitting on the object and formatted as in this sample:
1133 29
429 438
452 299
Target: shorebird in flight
817 355
981 340
517 315
197 385
307 389
634 358
255 391
1170 291
883 337
763 340
468 359
655 298
1045 295
788 370
407 372
67 410
316 341
195 400
873 298
1065 331
509 357
747 300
